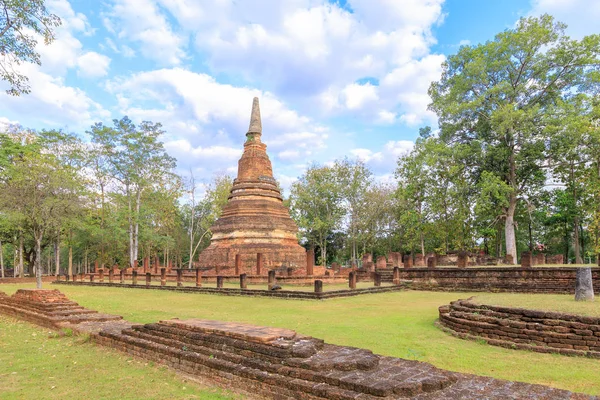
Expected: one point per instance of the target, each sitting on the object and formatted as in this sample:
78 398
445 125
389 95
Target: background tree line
65 204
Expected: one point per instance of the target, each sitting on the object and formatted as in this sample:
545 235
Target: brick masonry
507 279
279 363
49 308
278 294
518 328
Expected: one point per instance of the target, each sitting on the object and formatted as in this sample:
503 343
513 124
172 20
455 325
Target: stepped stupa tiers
254 220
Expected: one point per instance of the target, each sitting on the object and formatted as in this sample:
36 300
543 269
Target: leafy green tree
354 181
498 94
40 191
137 162
202 215
22 22
316 205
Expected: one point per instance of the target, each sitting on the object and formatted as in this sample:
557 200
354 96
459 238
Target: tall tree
316 205
204 213
136 159
22 23
498 93
41 191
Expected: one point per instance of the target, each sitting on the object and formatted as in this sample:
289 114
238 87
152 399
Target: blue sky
335 78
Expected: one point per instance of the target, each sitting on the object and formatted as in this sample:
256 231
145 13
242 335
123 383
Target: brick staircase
49 308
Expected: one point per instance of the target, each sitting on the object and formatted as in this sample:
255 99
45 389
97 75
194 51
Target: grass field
399 324
547 302
35 364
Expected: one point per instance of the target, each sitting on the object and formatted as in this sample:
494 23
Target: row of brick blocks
318 284
540 331
259 269
528 259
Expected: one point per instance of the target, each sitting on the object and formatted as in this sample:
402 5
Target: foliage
22 24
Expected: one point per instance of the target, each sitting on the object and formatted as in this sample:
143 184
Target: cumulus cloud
143 22
56 103
581 16
312 51
93 65
206 121
383 161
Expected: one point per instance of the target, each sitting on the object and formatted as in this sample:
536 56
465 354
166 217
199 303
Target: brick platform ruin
276 363
518 328
48 308
254 222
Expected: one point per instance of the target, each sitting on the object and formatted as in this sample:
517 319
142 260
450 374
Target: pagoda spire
255 128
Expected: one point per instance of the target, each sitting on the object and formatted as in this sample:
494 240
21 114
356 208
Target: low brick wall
26 279
509 279
519 328
277 294
251 279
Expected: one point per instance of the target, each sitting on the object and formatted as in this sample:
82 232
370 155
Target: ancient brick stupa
254 220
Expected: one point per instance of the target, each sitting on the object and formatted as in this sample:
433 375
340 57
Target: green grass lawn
548 302
399 324
35 364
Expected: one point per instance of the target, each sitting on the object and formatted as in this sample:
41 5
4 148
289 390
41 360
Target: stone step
216 365
356 370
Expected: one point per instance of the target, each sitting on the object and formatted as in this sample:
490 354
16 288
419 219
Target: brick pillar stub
352 280
243 281
318 286
259 263
526 259
396 276
198 277
271 279
310 262
148 278
238 264
377 279
220 280
163 277
179 277
431 262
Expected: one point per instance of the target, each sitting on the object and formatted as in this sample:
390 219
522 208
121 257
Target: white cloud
55 103
581 16
142 22
93 65
386 117
313 51
52 102
206 121
356 96
381 162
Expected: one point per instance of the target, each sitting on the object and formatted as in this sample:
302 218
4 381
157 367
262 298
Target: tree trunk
131 258
1 259
57 257
21 264
576 248
509 229
137 226
38 260
70 260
